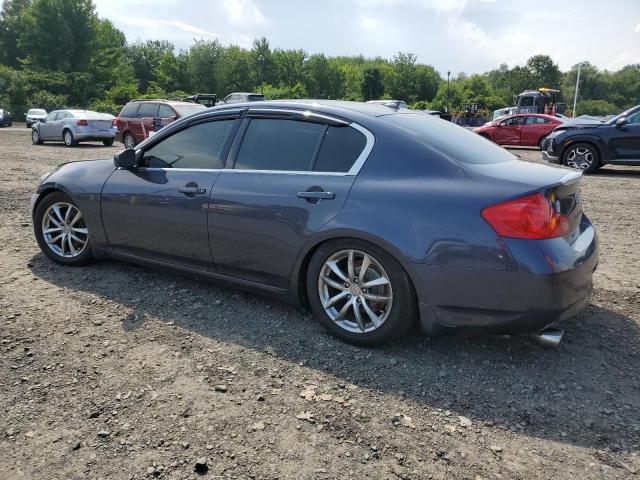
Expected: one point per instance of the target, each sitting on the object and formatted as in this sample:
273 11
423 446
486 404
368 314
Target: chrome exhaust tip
550 336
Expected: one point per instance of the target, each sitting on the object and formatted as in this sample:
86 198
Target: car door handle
192 190
317 195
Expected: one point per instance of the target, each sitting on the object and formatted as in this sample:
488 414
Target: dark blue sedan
372 218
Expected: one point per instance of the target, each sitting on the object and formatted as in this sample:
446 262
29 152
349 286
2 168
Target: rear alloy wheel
35 137
68 138
61 230
129 140
582 156
359 292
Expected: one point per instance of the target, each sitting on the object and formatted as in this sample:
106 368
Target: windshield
184 110
448 138
36 111
626 113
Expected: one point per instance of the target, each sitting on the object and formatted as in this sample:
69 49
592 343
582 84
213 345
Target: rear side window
536 121
147 110
448 138
340 149
199 146
277 144
130 110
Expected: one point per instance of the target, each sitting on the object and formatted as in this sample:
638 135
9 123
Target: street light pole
261 62
448 75
575 96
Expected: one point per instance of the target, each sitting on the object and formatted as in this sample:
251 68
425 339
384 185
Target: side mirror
125 159
621 122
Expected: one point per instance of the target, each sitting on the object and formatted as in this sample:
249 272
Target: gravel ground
114 371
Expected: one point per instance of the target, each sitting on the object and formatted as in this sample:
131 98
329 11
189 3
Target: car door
625 140
158 210
287 176
45 127
533 129
508 131
58 125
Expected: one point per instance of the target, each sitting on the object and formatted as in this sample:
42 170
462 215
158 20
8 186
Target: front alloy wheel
35 137
360 292
582 156
61 230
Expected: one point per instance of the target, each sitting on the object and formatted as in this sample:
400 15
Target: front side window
51 117
198 146
148 110
634 119
166 112
130 110
513 121
531 120
277 144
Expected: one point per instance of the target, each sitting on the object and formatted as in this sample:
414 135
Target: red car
137 118
527 129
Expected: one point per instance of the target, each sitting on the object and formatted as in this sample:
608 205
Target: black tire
129 140
86 255
574 154
403 307
35 137
108 143
68 138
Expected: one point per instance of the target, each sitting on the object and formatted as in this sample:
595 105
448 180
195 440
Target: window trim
277 114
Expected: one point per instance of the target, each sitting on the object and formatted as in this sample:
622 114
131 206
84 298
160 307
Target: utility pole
448 75
575 96
261 62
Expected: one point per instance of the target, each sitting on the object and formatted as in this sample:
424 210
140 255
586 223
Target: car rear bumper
553 282
88 133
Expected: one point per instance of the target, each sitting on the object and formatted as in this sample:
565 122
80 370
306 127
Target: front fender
594 140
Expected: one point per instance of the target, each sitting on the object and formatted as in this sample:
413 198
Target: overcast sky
457 35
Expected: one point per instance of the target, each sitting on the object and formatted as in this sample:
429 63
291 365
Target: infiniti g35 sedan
372 218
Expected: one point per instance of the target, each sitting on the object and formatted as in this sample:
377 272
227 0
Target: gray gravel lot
113 371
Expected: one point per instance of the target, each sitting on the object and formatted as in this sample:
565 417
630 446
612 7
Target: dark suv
139 117
591 145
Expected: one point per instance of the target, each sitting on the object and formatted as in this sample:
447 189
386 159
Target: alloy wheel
129 141
580 158
35 137
64 230
68 138
355 291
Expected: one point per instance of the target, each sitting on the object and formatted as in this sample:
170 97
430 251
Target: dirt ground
116 372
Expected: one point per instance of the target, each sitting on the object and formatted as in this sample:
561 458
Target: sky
471 36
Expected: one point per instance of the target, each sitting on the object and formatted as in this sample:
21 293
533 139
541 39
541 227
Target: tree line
59 53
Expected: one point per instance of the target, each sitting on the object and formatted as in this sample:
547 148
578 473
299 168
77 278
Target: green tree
544 72
372 84
403 81
146 57
11 28
59 34
202 66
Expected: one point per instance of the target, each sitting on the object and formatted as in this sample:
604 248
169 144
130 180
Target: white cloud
368 23
158 24
243 13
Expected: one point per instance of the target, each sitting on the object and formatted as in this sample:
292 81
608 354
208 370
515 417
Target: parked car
206 99
395 104
523 129
592 143
74 126
137 118
322 203
6 120
35 115
238 97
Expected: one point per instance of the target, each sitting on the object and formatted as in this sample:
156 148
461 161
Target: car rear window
184 110
130 110
454 141
255 98
340 149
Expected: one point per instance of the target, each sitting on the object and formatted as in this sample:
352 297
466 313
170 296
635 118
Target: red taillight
82 123
531 217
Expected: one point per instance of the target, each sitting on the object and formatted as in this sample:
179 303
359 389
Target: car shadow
81 146
584 393
621 172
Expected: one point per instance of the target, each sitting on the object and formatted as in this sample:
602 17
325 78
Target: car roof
370 109
161 100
